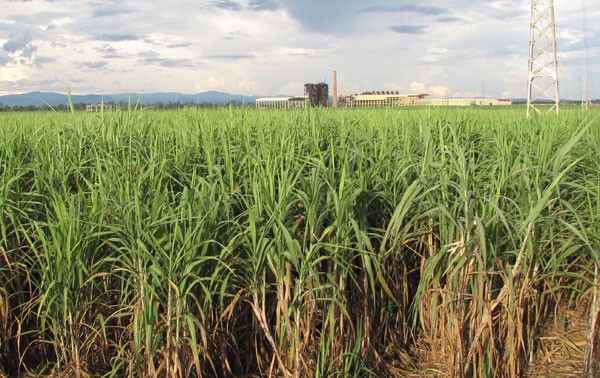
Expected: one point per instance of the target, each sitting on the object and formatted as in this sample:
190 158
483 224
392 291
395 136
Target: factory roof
281 99
375 97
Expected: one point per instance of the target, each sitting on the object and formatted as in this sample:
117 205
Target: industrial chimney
335 95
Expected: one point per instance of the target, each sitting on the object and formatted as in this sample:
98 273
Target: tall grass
236 242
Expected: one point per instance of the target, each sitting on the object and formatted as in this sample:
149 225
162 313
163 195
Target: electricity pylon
542 86
585 96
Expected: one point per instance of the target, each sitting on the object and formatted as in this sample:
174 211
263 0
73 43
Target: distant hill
40 99
562 101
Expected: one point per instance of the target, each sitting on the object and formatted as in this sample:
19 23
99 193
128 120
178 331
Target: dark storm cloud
448 19
179 45
228 5
408 29
167 44
108 52
253 5
153 58
175 63
117 37
29 85
18 85
329 16
495 9
152 41
263 5
111 11
352 17
7 27
41 61
18 49
38 19
58 45
408 8
231 57
93 65
148 56
17 42
4 58
27 51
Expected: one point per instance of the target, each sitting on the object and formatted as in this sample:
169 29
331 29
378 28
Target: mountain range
40 99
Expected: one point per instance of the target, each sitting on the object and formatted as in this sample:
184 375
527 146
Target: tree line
119 105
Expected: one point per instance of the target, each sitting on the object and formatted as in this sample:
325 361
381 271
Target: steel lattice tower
585 96
542 84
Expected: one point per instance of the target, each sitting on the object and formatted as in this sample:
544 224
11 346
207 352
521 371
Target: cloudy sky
268 47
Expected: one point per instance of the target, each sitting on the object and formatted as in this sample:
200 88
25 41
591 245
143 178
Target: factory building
479 101
449 101
100 107
290 102
317 95
314 95
382 99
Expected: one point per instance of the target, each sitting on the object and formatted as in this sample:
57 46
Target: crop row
321 243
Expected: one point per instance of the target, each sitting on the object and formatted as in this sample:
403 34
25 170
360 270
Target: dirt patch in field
562 343
560 350
432 360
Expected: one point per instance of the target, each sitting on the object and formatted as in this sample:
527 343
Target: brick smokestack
335 95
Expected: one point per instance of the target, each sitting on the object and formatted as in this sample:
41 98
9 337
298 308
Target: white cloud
466 94
246 87
433 90
393 87
11 74
212 84
275 46
417 87
294 88
435 55
439 91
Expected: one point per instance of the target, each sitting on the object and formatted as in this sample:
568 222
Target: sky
453 48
